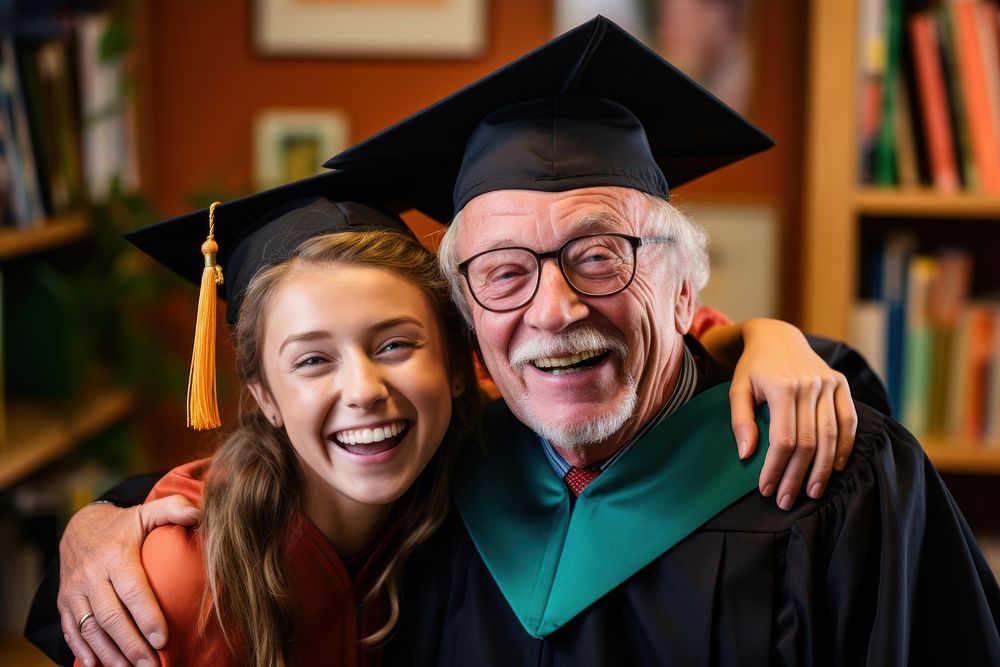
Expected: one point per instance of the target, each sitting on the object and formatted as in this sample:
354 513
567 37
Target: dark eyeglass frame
634 241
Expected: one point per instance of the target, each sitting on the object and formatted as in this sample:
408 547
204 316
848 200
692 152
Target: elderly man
608 522
580 281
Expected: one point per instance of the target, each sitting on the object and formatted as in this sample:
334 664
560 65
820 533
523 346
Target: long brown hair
253 494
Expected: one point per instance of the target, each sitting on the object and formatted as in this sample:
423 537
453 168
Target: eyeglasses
505 279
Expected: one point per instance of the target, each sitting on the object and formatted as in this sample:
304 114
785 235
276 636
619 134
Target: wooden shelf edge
962 456
16 650
17 242
39 432
924 202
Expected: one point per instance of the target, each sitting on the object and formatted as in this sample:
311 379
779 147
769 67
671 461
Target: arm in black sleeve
43 628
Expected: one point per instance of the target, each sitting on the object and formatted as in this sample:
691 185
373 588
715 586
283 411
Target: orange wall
203 83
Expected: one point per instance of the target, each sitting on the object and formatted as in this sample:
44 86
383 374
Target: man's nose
362 384
556 305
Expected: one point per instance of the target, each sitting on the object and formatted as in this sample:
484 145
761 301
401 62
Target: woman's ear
266 403
457 386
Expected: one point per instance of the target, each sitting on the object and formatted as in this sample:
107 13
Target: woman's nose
362 385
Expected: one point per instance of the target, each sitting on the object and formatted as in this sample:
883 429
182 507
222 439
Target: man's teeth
562 362
369 435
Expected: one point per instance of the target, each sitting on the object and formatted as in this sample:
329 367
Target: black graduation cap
264 228
591 91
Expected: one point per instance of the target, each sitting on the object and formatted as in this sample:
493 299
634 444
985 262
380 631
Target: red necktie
577 479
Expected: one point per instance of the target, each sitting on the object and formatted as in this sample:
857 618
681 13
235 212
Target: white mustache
571 342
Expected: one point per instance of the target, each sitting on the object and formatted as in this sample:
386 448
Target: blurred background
115 114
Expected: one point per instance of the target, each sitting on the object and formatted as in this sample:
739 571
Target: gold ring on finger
84 619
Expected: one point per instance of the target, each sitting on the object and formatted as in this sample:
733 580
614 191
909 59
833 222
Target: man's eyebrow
599 222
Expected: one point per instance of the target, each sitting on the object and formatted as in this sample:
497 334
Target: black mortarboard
264 228
569 114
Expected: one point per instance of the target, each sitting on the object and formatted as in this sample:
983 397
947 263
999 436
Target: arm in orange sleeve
185 480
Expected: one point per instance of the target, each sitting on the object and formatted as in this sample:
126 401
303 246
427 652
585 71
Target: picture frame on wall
379 28
291 144
712 41
744 253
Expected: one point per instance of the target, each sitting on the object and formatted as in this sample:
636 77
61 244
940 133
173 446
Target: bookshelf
837 207
67 149
15 243
39 433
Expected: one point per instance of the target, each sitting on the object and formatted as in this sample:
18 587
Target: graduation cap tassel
202 401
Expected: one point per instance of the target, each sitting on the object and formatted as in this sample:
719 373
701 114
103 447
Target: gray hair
689 249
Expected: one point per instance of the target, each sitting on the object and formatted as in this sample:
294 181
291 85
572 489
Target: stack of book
930 109
936 347
66 120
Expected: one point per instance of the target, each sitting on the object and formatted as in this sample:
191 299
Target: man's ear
684 307
266 403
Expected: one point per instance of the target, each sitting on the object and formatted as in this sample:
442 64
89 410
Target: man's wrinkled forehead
518 217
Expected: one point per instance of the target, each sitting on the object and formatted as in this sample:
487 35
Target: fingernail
144 663
744 446
816 490
841 462
786 502
767 490
155 640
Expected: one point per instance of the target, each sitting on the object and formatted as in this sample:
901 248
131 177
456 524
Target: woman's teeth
369 435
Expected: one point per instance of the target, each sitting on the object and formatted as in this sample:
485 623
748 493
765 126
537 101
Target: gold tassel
202 401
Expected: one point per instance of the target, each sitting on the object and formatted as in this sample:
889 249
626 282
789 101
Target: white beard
582 434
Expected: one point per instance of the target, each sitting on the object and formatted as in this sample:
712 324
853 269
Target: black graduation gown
882 570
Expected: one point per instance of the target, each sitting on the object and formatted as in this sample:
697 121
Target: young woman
339 468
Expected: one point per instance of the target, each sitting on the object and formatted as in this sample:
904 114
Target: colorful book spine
933 96
894 264
972 60
886 158
918 345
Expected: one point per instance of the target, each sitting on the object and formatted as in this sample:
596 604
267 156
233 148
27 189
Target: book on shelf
991 427
949 294
918 344
871 79
869 319
25 198
890 286
978 360
962 145
50 105
973 362
933 96
907 162
975 40
886 154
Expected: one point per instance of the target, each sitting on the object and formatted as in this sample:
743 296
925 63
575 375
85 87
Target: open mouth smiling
572 363
372 440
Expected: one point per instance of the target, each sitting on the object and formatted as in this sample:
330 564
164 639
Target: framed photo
389 28
290 144
744 251
712 41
